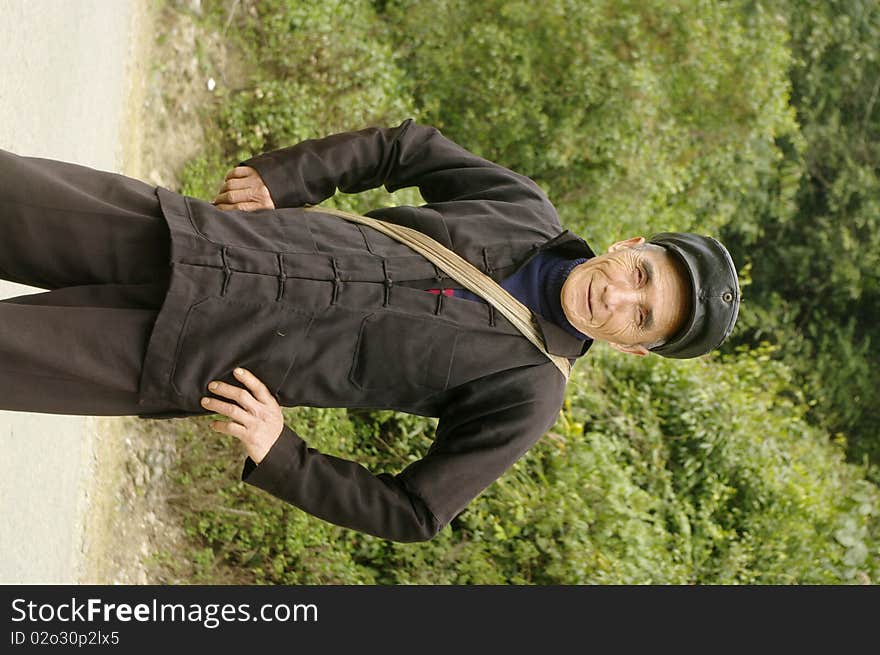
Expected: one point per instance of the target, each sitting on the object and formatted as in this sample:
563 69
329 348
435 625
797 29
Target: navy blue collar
558 340
558 271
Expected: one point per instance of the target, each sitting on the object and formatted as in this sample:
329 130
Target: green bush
635 116
316 68
816 291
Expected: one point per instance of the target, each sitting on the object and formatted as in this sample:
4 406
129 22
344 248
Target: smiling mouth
589 303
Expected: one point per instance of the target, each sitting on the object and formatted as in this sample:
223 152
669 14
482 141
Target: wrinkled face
632 296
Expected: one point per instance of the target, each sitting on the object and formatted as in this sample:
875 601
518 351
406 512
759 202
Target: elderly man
162 305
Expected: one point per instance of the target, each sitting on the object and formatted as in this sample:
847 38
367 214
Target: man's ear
632 242
636 349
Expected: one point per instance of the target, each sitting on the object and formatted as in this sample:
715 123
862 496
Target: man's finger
240 395
260 390
236 430
235 196
239 171
235 183
240 206
250 206
229 410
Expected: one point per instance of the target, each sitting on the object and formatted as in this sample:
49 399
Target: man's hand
243 190
257 420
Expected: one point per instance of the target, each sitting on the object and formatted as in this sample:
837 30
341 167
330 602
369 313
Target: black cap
715 294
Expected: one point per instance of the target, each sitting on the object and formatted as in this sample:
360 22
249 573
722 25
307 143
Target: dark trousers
97 242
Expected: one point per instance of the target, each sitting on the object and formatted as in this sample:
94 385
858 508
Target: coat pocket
397 351
219 334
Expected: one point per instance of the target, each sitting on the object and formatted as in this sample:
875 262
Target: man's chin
588 333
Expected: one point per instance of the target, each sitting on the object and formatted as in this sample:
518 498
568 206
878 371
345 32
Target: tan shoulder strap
463 272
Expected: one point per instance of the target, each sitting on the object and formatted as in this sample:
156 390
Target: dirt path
67 76
116 85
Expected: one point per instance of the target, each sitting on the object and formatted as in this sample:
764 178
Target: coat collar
557 340
560 342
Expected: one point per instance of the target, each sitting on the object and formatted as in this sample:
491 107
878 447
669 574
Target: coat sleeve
482 432
403 156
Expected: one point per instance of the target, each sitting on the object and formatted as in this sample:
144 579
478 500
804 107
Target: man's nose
617 297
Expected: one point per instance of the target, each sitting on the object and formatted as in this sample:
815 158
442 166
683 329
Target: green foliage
702 472
248 537
636 116
309 78
816 288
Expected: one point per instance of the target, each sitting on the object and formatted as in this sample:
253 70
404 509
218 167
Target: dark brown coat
332 314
